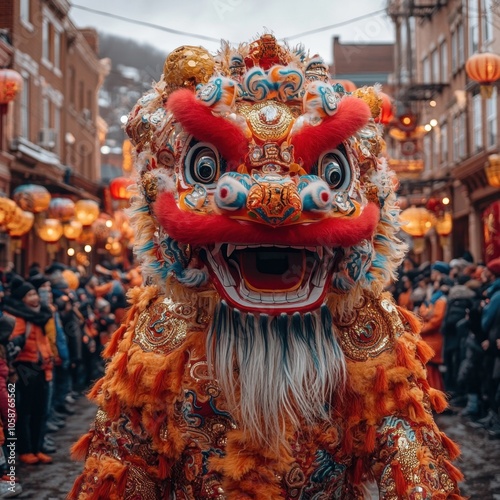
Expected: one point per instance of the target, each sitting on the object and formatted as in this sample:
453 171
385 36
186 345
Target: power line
337 25
143 23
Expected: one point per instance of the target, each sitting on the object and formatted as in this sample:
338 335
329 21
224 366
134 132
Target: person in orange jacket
34 364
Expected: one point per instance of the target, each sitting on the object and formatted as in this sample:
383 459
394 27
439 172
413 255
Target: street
480 461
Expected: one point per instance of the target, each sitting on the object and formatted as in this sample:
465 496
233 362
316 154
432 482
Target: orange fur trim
424 352
413 321
112 345
136 378
94 392
121 364
80 448
404 356
418 409
77 486
451 447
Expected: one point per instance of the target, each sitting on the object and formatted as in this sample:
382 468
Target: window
426 70
435 66
487 20
477 123
473 27
57 50
454 52
443 49
81 97
491 119
459 138
25 11
45 113
57 127
444 143
72 85
460 45
45 40
25 108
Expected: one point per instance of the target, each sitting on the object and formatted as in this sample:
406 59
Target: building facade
52 128
434 40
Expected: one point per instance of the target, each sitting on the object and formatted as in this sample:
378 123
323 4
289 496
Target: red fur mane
312 140
198 120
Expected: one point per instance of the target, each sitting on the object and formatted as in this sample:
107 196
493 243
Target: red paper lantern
118 188
11 83
386 115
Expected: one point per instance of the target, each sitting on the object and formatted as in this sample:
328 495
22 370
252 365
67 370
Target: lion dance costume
262 358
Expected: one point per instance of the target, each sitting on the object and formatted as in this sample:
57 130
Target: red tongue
272 269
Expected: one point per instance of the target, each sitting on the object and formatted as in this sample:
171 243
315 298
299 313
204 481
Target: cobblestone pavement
54 481
480 461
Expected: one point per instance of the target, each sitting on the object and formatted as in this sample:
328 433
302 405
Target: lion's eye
335 169
202 165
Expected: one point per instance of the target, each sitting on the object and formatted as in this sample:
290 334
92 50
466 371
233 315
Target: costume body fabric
262 358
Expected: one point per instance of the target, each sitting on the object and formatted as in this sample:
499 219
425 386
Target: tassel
77 486
347 443
381 385
163 467
424 352
158 384
404 356
399 479
399 394
451 447
121 365
453 472
112 347
94 392
113 407
80 448
358 471
438 400
380 405
370 436
136 377
420 413
412 320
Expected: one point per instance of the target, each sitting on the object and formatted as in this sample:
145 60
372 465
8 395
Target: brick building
52 128
434 39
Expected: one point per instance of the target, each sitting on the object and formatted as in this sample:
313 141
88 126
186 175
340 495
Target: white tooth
292 296
254 295
267 298
230 249
319 251
241 247
227 278
216 249
311 249
302 292
329 251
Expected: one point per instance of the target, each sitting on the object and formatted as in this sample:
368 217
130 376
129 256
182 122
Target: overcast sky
240 21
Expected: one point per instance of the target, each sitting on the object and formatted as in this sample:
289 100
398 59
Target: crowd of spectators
459 305
54 324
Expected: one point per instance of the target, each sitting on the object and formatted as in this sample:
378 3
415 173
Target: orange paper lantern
50 230
62 209
32 198
11 83
7 210
72 229
86 211
484 68
417 221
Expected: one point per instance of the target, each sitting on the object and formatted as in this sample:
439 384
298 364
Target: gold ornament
187 66
371 97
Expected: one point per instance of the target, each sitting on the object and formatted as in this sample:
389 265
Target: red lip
195 229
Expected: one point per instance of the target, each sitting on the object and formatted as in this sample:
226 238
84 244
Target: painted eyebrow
198 119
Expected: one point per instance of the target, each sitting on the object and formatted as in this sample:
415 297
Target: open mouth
271 278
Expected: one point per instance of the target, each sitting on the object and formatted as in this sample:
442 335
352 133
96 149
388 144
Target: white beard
274 370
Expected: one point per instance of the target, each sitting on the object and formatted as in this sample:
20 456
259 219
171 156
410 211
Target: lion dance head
264 185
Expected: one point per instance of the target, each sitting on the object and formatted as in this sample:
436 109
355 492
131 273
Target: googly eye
335 170
203 165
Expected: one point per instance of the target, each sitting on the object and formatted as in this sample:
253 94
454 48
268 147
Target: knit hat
441 267
494 266
19 288
38 280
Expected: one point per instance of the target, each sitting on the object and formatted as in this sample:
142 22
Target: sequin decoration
162 327
371 330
